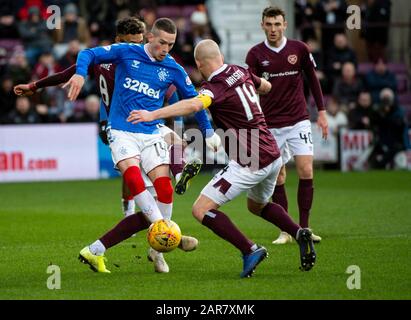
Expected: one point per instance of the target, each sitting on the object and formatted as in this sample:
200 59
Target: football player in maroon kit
283 62
230 94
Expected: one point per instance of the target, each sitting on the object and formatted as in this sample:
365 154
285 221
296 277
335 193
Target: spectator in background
70 57
332 14
35 35
391 135
8 26
90 112
363 116
379 78
24 14
23 113
314 48
201 29
375 27
46 66
304 19
18 67
149 15
335 116
7 97
339 54
73 27
183 50
201 26
95 12
348 87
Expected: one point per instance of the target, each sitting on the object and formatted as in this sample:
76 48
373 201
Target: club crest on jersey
292 58
162 74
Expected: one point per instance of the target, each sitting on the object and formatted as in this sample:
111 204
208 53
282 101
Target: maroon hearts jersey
285 105
235 109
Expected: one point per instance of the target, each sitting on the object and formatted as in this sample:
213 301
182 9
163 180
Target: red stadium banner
356 147
48 152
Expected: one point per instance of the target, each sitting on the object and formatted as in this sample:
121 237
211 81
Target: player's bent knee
254 207
164 189
134 180
306 171
198 212
282 175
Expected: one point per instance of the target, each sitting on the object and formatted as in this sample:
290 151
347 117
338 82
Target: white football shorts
231 181
294 140
150 149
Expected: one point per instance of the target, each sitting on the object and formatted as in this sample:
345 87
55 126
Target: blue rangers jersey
140 83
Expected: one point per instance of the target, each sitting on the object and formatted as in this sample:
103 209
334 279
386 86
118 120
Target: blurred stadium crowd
373 94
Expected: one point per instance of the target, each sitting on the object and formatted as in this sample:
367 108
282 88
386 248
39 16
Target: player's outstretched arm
181 108
50 81
75 84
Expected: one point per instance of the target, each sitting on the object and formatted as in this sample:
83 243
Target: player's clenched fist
24 90
75 84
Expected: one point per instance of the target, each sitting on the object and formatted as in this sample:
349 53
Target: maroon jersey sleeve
256 80
56 79
308 65
251 61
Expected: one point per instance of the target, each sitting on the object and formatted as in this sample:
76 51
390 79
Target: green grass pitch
364 219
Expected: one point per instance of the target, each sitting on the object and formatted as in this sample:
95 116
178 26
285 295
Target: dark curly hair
130 25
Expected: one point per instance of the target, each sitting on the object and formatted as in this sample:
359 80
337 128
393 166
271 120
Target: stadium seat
364 68
403 82
405 99
169 11
397 68
10 45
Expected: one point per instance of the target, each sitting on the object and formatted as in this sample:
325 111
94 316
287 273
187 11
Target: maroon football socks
276 214
280 196
305 200
125 229
222 226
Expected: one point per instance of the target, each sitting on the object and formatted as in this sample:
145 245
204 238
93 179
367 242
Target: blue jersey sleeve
204 123
103 112
88 57
183 84
185 87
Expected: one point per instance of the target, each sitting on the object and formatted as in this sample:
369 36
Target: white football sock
128 206
177 177
148 206
97 248
166 209
254 247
